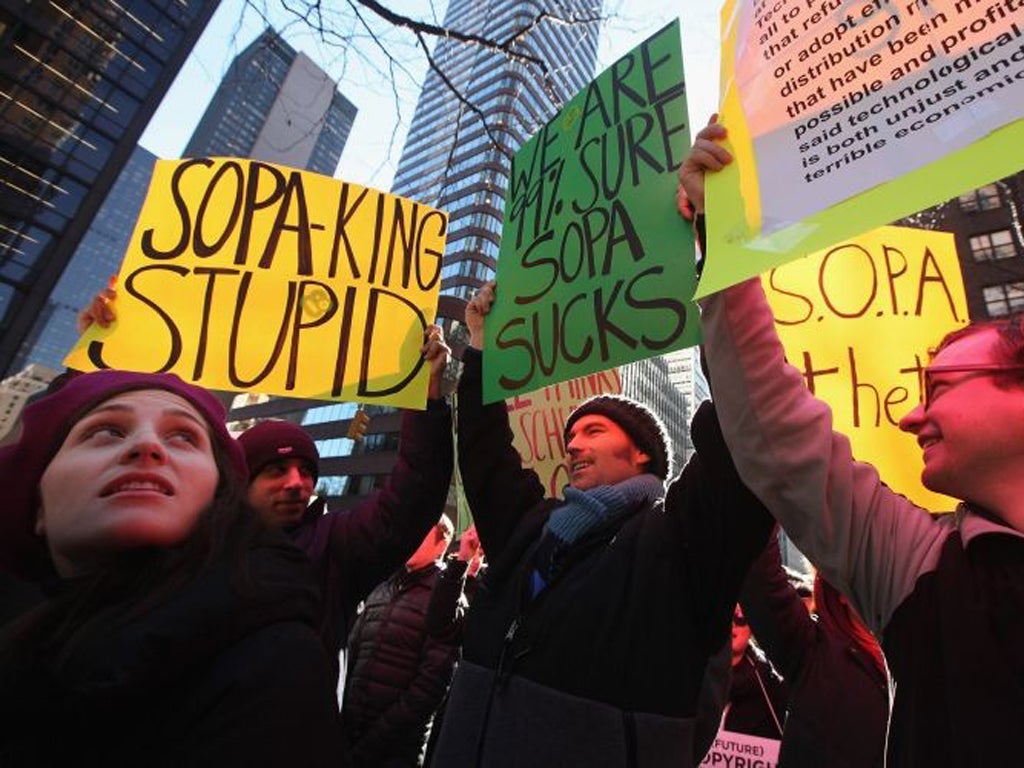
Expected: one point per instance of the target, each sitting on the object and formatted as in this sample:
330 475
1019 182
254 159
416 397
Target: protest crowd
176 595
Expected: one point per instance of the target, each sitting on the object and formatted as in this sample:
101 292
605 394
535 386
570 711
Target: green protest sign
595 260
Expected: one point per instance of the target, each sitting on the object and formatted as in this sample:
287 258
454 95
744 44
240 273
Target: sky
386 100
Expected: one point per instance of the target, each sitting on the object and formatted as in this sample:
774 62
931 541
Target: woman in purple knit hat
172 629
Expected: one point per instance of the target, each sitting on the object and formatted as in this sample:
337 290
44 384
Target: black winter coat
209 677
606 666
401 655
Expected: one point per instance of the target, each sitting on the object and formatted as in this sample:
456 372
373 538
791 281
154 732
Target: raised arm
498 489
370 542
776 614
869 542
722 526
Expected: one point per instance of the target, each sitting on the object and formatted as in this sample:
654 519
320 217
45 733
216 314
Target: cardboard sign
247 276
740 750
843 116
858 320
595 260
538 424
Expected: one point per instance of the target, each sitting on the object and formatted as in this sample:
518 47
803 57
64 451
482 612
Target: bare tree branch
344 25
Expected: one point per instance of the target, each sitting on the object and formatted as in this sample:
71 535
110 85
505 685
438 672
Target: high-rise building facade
275 104
79 83
686 376
293 115
457 157
988 224
98 256
458 153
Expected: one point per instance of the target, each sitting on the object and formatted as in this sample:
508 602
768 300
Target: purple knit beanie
276 440
45 424
636 420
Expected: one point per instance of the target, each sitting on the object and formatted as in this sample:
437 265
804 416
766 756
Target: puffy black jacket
401 655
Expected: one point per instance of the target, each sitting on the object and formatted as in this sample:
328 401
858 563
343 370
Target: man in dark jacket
402 652
945 592
589 638
354 550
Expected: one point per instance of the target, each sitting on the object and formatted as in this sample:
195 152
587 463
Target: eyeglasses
976 368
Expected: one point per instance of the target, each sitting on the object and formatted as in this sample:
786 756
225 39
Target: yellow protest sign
843 116
538 423
247 276
858 320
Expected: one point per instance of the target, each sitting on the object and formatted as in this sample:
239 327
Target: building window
993 245
1003 299
984 199
332 486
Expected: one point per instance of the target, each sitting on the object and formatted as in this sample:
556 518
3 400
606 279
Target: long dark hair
132 582
836 613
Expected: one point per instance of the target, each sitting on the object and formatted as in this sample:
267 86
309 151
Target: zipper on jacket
504 668
496 685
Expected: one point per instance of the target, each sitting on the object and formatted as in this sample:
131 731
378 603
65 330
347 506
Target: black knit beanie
636 420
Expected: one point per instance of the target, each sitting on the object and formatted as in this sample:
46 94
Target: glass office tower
78 83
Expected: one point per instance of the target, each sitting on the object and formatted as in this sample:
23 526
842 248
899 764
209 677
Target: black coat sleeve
498 489
722 526
364 546
776 614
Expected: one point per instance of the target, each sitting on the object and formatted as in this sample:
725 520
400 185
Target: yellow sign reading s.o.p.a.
859 320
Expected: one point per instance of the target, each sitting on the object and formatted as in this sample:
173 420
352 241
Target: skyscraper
458 152
273 110
275 104
79 82
98 256
457 157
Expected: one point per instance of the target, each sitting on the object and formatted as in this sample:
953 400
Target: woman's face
136 471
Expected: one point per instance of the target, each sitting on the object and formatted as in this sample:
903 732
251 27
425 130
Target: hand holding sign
706 154
437 353
476 310
100 310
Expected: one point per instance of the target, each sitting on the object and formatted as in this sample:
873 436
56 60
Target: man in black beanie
354 550
589 639
283 468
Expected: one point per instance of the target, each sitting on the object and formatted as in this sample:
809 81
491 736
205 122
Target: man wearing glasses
945 593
